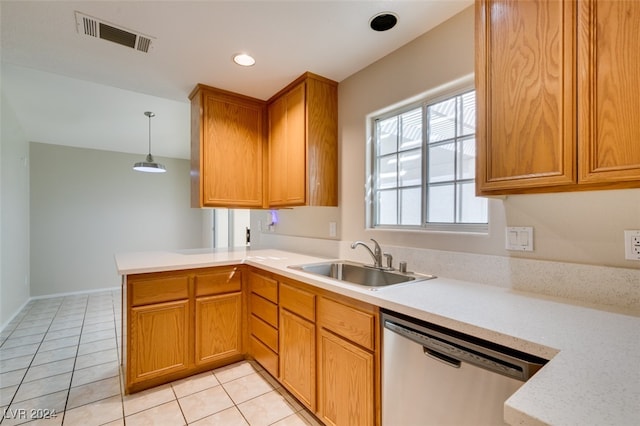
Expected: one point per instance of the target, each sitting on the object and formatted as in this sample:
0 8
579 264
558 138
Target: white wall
14 212
88 204
582 227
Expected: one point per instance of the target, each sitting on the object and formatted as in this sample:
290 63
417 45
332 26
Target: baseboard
73 293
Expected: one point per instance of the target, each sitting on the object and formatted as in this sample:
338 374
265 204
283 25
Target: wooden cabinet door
609 84
525 82
298 357
231 150
159 340
287 149
346 382
218 328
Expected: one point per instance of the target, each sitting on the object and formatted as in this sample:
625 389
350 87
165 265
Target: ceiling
71 89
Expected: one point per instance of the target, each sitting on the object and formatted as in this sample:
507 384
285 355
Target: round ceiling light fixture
383 21
244 59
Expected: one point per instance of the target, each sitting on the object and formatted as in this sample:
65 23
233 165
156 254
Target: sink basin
357 273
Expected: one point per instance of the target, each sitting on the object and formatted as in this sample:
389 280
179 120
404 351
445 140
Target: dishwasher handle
445 359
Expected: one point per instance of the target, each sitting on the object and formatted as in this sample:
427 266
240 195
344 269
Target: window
423 171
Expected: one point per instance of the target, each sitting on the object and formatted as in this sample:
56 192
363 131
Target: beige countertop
593 377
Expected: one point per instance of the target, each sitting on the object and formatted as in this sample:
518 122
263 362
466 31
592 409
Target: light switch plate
519 238
632 244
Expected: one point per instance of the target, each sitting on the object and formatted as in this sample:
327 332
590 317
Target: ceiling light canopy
383 21
244 59
148 165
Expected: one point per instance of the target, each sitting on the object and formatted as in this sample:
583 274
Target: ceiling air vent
94 27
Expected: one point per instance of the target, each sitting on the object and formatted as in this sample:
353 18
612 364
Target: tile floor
59 365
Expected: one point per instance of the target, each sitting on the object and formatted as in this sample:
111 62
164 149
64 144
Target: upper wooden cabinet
228 135
303 143
556 102
608 88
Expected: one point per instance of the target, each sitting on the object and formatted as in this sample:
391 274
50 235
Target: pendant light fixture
148 165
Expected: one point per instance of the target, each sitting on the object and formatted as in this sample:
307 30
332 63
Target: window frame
424 101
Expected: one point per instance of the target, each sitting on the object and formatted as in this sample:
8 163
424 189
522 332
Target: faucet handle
389 259
377 248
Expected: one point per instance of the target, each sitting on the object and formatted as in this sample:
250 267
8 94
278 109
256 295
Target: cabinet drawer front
265 356
226 280
298 301
348 322
145 291
264 310
265 287
265 333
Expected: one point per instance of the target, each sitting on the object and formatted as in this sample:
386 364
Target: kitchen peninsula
592 377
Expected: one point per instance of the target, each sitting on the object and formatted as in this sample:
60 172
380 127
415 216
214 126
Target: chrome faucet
376 254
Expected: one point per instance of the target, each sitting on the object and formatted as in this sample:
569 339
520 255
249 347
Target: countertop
593 377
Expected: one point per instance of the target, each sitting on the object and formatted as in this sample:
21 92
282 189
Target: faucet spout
376 253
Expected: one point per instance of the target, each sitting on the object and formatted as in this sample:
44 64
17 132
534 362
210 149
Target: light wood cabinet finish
228 137
298 357
263 314
218 327
303 143
170 333
556 96
347 384
159 340
525 83
351 323
608 88
263 285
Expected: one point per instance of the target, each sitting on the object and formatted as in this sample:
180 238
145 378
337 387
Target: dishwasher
435 376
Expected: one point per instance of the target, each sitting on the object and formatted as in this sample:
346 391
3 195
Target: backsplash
607 287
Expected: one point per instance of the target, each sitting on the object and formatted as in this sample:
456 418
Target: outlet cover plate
632 244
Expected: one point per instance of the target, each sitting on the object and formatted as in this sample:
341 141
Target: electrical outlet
632 244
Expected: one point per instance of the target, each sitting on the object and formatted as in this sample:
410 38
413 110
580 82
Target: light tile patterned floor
59 365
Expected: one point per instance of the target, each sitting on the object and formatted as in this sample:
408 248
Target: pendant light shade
148 165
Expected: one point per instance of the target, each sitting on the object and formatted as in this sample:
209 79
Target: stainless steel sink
357 273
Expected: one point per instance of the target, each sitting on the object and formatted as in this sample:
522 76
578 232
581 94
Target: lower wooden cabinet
346 394
263 320
298 357
159 340
218 327
179 323
322 347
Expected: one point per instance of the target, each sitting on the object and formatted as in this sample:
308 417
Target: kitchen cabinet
303 143
555 97
228 137
263 308
298 343
178 323
348 363
608 87
159 340
218 316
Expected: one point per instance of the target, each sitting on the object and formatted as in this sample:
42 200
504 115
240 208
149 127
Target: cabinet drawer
348 322
265 356
298 301
264 310
264 286
225 280
265 333
158 288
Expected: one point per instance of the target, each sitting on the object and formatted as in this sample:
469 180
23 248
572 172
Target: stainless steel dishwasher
435 376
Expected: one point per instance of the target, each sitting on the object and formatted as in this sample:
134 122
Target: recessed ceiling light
244 59
383 21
